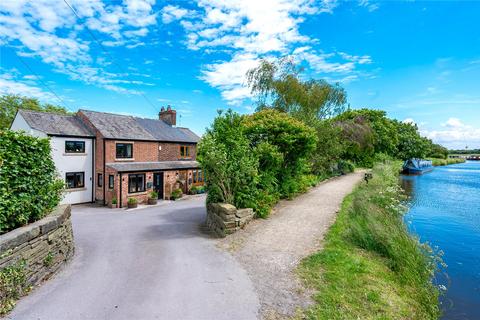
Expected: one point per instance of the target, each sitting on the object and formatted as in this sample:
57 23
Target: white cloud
409 121
247 30
369 5
455 134
12 85
49 30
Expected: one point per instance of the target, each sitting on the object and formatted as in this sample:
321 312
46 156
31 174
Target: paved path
149 263
271 249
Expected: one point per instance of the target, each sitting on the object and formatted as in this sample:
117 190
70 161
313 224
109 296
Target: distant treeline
463 151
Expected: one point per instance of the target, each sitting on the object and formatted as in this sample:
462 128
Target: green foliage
12 285
230 166
371 267
197 190
444 162
48 260
9 105
176 194
283 146
345 166
114 200
359 141
329 149
153 195
132 201
410 143
279 85
29 186
438 151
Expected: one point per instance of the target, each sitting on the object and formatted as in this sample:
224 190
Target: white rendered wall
73 162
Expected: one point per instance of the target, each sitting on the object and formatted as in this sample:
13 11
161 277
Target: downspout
94 144
121 182
103 176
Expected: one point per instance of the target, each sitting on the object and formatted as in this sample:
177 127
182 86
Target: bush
132 201
154 195
345 166
29 186
114 200
176 194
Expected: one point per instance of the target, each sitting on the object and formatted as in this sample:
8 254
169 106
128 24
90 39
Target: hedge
29 186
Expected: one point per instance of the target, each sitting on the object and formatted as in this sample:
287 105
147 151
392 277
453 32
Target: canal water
445 212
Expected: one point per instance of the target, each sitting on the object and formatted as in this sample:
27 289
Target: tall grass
444 162
371 267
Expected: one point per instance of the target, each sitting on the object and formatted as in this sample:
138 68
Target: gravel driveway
151 263
271 249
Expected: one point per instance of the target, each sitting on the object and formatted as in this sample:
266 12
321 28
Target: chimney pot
168 116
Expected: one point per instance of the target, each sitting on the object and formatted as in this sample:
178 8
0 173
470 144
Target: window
136 183
197 176
124 150
184 151
74 180
100 180
111 180
74 146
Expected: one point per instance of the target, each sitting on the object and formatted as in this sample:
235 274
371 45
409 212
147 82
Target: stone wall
42 247
224 219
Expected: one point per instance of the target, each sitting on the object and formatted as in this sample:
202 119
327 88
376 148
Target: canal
445 212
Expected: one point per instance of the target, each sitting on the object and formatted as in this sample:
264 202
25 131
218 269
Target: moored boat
417 166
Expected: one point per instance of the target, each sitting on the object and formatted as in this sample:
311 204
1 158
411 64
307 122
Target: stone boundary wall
224 219
41 247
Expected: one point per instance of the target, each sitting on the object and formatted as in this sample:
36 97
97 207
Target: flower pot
152 201
112 205
132 205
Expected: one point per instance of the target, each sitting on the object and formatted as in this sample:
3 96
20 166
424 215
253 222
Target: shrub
194 190
29 186
132 201
345 166
153 195
176 194
13 284
114 200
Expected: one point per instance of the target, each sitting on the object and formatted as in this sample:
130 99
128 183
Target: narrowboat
417 166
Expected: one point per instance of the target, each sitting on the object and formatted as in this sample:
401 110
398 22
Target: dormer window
124 150
74 146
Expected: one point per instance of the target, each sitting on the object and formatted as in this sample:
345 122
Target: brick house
134 156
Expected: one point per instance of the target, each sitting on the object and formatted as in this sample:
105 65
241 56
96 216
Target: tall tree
279 85
9 104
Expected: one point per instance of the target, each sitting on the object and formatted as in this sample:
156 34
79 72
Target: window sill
74 154
124 159
137 193
75 189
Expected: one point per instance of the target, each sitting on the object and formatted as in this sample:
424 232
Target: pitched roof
55 124
118 126
148 166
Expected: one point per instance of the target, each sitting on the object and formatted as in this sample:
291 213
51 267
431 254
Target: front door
158 184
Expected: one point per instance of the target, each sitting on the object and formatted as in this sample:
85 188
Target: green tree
231 168
9 104
278 85
438 151
410 143
385 133
283 144
330 148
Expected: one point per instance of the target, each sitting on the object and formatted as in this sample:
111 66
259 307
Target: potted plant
153 198
113 204
132 202
176 194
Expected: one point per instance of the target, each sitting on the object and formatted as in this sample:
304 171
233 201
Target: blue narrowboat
417 166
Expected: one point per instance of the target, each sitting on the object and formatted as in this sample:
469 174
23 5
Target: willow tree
279 85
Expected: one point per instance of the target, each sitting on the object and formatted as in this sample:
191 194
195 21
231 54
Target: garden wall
223 218
33 253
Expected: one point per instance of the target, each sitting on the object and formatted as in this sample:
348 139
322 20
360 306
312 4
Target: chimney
168 116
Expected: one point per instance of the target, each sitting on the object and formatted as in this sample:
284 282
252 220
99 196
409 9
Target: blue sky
419 61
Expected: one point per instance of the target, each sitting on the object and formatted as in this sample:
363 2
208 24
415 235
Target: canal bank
445 212
370 267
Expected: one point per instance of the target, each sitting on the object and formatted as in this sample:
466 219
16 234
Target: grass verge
370 266
444 162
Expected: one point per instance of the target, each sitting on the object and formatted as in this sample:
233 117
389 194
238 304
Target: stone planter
152 201
132 205
112 205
